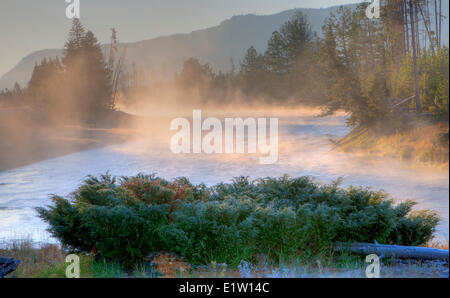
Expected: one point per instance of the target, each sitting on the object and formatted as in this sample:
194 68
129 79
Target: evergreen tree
74 43
275 57
87 75
196 78
98 83
252 71
297 35
46 85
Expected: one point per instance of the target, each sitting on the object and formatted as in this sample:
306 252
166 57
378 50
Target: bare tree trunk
440 22
414 48
426 21
417 27
436 20
406 25
116 77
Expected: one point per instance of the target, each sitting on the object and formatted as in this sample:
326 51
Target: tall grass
48 262
425 145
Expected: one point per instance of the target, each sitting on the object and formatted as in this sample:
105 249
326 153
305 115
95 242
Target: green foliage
297 36
354 55
281 218
414 229
434 82
252 72
275 57
76 88
213 230
368 68
288 44
107 220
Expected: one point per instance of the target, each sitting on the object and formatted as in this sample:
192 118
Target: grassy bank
425 145
48 261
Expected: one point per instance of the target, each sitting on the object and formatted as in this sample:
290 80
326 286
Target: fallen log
396 251
8 265
357 132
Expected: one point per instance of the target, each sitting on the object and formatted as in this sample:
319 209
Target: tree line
373 66
286 71
79 87
377 70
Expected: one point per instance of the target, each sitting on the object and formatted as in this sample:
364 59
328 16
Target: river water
304 149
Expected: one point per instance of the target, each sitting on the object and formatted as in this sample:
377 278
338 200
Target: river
304 149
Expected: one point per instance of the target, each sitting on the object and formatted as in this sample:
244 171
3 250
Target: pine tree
196 78
251 63
98 83
252 71
275 57
45 88
87 76
297 35
74 43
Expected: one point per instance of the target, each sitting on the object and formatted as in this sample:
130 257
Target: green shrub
415 228
281 218
123 233
214 230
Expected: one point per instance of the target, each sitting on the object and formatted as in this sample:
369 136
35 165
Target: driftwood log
397 251
8 265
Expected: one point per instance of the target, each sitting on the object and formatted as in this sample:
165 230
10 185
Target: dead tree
396 251
116 77
405 16
440 23
426 22
414 46
8 265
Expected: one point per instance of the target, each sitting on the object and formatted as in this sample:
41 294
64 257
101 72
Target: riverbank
25 138
424 146
273 227
48 261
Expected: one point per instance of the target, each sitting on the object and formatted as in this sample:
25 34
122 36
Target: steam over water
304 149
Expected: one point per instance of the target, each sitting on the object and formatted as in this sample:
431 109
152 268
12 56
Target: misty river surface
304 150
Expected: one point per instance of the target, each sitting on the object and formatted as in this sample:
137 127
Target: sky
30 25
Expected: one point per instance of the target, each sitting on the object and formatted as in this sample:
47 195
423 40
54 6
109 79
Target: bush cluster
126 219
